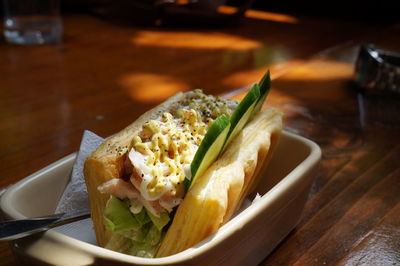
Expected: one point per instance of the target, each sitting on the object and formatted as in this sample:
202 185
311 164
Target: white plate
245 240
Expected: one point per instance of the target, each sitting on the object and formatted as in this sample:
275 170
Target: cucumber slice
210 148
243 113
222 131
265 87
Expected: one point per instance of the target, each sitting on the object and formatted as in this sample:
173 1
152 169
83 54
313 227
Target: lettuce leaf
161 221
135 234
118 216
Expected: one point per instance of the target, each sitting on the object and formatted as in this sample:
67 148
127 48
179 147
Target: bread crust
107 161
216 195
212 200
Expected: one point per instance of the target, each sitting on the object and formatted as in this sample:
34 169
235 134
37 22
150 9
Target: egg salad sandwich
180 171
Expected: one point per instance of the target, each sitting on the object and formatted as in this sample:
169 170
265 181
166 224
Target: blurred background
119 58
372 11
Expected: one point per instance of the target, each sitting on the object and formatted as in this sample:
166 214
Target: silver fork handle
11 230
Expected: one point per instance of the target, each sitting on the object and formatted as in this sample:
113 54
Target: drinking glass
32 21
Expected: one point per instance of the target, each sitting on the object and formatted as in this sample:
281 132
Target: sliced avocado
265 86
243 113
210 148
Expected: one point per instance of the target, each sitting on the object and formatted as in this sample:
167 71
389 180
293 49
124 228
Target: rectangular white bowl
245 240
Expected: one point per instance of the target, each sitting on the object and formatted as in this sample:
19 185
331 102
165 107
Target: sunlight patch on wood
149 87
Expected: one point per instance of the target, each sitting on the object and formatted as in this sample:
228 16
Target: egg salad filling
158 162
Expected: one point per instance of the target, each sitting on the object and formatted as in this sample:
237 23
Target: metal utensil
11 230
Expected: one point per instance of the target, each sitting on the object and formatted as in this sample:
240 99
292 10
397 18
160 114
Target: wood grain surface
351 217
104 75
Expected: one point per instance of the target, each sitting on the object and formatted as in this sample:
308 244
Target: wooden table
104 75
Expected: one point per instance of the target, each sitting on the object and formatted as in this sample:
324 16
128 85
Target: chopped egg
162 152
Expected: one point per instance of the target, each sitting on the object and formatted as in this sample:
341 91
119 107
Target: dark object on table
176 13
200 13
377 71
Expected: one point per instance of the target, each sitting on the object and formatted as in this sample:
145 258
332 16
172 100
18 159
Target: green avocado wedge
265 87
243 113
210 148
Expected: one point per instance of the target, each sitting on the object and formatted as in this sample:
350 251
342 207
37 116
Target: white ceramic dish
245 240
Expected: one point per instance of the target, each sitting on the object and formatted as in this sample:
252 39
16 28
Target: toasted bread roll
107 162
212 200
